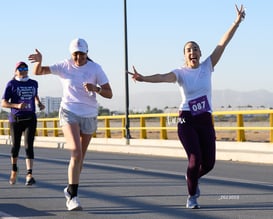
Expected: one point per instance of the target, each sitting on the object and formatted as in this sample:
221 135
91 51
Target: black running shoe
30 181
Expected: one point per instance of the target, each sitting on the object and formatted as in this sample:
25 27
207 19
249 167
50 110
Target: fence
163 124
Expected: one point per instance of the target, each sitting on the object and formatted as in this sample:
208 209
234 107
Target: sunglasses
22 69
78 53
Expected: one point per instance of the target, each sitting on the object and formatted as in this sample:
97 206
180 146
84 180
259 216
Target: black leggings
197 136
16 131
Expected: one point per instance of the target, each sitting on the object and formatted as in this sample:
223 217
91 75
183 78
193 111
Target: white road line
6 216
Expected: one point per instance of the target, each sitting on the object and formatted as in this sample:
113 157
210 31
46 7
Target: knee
194 163
76 155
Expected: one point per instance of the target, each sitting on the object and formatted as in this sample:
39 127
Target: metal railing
163 123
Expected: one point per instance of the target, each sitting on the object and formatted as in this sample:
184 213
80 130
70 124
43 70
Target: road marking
167 172
6 216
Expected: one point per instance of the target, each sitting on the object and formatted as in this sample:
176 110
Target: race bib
199 105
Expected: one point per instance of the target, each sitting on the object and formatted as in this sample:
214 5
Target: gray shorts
88 125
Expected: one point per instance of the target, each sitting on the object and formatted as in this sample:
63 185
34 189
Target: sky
156 33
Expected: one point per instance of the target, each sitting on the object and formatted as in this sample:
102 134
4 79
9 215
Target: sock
29 171
14 167
73 190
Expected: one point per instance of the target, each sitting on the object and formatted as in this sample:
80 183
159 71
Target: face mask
21 79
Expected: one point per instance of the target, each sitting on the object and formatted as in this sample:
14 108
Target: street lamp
127 121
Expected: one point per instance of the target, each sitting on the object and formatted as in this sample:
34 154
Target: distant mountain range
255 98
221 99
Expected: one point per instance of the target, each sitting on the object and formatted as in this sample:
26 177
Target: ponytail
89 59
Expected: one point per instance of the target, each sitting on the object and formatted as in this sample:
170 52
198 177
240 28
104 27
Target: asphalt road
119 186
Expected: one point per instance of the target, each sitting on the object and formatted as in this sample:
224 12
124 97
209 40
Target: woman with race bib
195 127
20 96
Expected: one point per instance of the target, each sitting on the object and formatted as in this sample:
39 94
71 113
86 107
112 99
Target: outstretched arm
218 51
156 78
38 68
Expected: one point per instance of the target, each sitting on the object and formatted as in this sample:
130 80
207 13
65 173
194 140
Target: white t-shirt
194 83
75 98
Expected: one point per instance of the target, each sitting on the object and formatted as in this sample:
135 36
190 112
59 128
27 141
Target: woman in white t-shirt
82 79
195 128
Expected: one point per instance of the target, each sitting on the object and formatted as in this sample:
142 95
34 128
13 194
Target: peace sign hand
136 76
240 14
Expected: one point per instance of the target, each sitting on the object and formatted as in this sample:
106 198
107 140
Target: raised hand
240 14
36 57
136 76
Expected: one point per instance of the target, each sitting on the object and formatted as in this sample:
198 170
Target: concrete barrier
254 152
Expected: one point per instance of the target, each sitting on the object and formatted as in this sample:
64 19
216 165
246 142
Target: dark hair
89 59
193 42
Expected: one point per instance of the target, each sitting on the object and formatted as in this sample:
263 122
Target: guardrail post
163 131
271 125
240 132
45 133
2 132
123 128
55 125
143 131
107 126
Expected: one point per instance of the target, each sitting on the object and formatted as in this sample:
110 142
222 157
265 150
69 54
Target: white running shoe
66 194
73 204
192 202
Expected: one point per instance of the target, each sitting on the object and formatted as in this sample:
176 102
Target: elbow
110 96
108 93
39 70
36 72
4 103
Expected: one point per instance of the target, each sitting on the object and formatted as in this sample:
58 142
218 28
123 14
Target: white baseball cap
78 45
